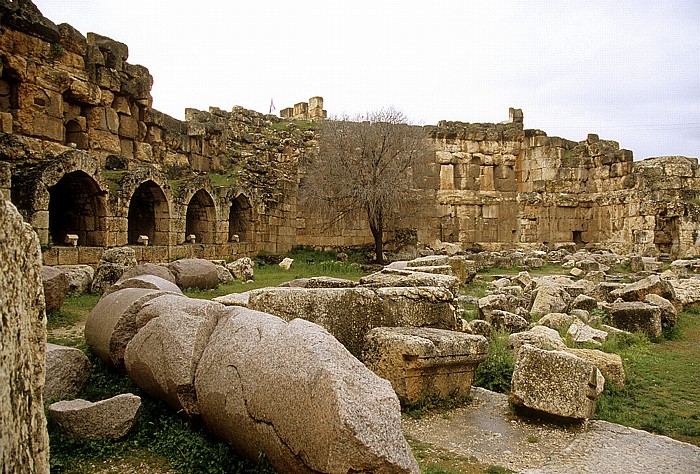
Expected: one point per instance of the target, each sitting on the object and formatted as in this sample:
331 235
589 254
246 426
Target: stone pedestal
423 363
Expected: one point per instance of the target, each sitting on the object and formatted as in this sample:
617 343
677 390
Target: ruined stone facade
83 153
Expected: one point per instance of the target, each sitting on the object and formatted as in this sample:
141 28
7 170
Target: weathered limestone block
581 333
67 371
610 365
550 299
555 382
112 418
407 278
424 363
292 391
636 316
584 302
242 269
541 337
494 302
329 282
349 313
24 440
224 275
55 284
506 321
162 357
669 313
557 321
687 291
150 269
112 322
195 273
151 282
480 327
79 277
112 265
639 290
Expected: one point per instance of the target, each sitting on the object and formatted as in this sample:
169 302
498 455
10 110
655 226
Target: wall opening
666 237
77 206
75 134
577 237
201 217
149 215
240 220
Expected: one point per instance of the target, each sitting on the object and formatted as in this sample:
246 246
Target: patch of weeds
159 432
434 460
477 288
495 373
497 470
75 308
533 439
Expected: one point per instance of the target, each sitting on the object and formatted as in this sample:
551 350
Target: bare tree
364 163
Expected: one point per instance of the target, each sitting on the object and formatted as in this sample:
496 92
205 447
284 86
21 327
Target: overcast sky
626 70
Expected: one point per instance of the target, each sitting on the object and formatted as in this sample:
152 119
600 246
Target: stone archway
201 218
240 220
77 206
149 214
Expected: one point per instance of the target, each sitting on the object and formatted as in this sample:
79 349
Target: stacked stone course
83 152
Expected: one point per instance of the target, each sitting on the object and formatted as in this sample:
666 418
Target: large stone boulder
639 290
151 282
55 287
292 391
350 313
149 269
555 382
79 277
242 269
584 302
610 365
162 357
67 372
424 363
635 316
112 265
24 440
557 321
407 278
539 336
195 273
550 298
112 418
669 313
112 322
506 321
581 333
225 276
329 282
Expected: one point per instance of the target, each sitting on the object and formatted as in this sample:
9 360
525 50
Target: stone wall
83 152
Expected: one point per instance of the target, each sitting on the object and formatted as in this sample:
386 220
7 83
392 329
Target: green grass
662 391
300 124
496 372
223 179
434 460
160 435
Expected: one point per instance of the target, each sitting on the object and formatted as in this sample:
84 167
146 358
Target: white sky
628 70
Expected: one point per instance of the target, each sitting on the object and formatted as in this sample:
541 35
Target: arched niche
77 206
149 214
240 220
201 217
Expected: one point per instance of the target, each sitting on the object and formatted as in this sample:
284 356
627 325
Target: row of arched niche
79 206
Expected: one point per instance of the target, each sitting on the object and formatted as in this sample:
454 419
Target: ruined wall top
312 110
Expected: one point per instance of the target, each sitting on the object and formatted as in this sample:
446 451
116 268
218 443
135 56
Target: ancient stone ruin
91 165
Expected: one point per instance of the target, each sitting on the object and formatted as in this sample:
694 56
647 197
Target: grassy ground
662 393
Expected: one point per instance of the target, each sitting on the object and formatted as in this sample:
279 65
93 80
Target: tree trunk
376 225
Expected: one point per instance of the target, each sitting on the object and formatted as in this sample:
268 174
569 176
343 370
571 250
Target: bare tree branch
364 163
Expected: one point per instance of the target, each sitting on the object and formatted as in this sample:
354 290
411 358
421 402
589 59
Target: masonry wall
82 152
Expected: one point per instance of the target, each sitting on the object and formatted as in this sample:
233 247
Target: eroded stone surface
67 371
424 363
337 417
24 441
555 382
112 418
